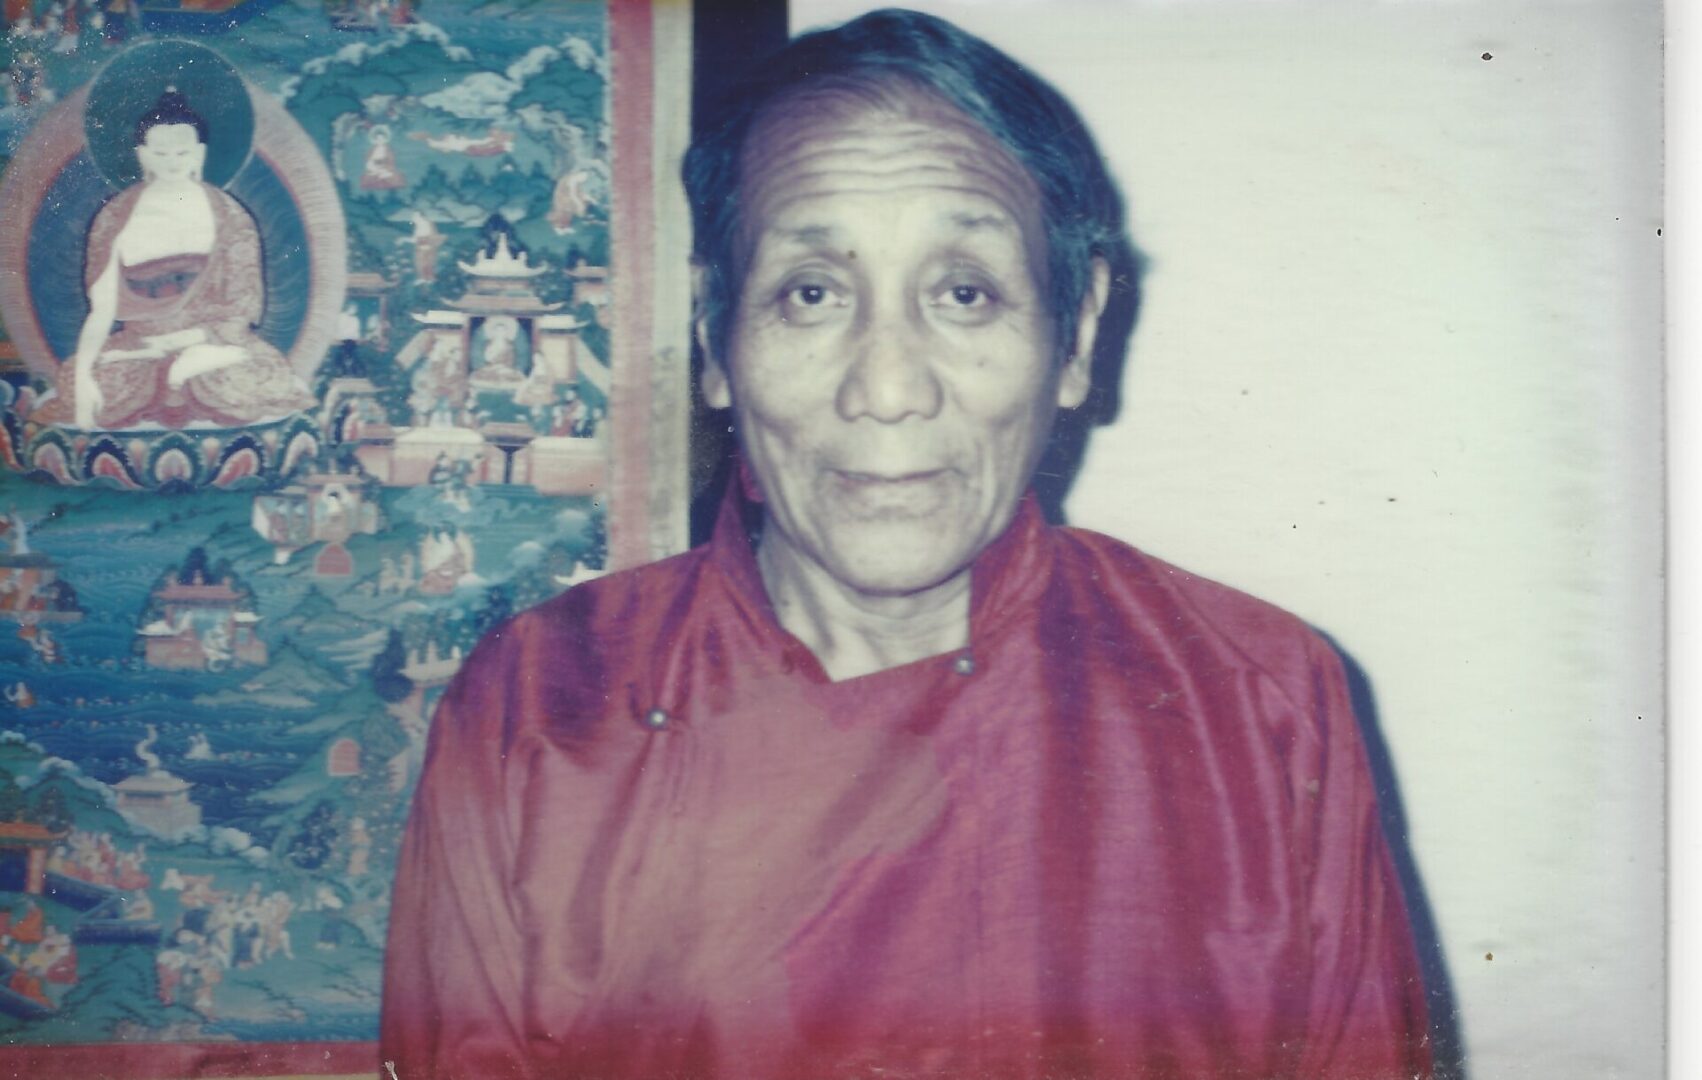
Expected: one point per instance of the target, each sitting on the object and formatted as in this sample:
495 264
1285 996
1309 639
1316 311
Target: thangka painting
330 340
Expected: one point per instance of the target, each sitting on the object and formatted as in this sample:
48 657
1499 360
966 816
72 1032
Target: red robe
1130 832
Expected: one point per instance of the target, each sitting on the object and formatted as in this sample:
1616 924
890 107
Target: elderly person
892 777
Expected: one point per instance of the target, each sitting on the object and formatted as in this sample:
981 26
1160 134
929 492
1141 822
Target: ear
1077 377
717 390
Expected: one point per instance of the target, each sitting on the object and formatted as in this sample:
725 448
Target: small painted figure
360 848
381 173
439 385
427 240
168 973
498 368
568 201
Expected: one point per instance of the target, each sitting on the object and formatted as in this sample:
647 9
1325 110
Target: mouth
855 478
911 493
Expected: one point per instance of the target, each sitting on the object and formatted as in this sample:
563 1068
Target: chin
894 567
896 582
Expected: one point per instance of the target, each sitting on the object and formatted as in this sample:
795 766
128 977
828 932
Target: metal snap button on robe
655 720
964 665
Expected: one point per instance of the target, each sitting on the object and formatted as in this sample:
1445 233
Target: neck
855 633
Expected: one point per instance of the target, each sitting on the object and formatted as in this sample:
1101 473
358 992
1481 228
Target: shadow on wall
1445 1030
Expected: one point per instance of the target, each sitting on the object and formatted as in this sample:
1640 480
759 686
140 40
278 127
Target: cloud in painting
483 96
487 95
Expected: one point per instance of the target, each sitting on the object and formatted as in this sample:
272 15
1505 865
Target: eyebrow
814 235
971 222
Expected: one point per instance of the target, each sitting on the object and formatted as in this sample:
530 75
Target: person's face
171 152
890 360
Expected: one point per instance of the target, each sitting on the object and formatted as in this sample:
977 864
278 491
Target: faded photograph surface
1174 564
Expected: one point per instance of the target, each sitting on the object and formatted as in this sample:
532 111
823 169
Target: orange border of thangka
648 494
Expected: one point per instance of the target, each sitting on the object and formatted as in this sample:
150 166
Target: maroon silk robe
1130 832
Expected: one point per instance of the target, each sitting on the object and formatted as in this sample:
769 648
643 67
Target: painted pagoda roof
153 783
215 593
365 281
505 264
479 303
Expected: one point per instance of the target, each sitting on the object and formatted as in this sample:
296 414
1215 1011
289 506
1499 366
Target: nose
890 377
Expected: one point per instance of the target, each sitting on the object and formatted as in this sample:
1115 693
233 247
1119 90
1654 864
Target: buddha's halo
132 82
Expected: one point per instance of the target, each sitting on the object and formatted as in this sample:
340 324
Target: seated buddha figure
175 288
498 369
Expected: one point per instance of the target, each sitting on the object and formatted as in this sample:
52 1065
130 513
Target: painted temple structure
154 799
195 624
30 588
498 380
323 505
25 847
369 303
591 286
158 801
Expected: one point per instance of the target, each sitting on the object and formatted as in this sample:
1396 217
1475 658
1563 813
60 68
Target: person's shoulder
1184 606
599 615
1160 581
565 662
620 606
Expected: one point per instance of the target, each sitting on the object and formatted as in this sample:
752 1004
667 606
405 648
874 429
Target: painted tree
195 568
50 809
373 795
387 678
316 838
596 554
498 607
13 806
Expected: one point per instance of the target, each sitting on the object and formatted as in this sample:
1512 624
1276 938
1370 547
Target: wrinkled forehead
820 144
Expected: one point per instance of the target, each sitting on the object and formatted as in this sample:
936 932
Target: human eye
966 300
810 295
809 301
969 296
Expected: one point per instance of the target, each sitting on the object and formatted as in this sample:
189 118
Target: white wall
1398 371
